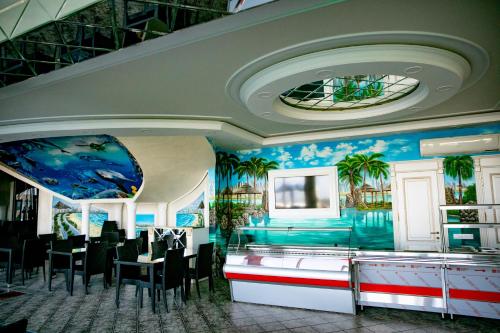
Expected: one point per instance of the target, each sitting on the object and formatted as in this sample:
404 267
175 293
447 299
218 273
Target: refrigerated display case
276 266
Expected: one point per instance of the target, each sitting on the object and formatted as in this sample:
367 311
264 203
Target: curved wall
171 165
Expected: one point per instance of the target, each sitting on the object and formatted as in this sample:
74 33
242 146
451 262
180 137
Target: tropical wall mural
364 185
77 167
67 219
192 215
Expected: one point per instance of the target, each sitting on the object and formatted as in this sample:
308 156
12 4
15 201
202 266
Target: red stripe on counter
288 280
475 295
397 289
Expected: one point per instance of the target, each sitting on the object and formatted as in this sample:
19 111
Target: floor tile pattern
56 311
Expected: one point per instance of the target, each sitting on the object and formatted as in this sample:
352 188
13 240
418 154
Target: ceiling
178 84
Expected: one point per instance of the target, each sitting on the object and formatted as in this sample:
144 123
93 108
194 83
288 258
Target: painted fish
50 181
95 146
111 175
45 143
113 193
89 158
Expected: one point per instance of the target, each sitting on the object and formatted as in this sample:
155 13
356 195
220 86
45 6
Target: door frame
433 165
481 166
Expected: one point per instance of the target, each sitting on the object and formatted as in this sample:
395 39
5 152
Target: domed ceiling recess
358 82
76 167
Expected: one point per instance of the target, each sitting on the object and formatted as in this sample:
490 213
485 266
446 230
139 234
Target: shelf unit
445 226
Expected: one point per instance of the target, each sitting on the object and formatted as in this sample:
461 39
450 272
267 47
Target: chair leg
198 288
165 301
50 274
71 282
43 270
85 281
22 273
211 283
104 281
141 292
118 283
183 294
136 291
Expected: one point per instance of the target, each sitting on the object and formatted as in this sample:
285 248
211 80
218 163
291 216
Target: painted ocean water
185 220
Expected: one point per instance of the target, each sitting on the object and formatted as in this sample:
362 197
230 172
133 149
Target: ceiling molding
221 133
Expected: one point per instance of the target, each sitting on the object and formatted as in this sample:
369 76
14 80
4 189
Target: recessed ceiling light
444 88
145 130
415 108
413 70
324 73
264 94
266 114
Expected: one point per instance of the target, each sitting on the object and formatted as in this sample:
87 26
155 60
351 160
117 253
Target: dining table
144 260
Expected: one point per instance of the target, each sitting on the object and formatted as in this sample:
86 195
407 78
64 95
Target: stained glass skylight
349 92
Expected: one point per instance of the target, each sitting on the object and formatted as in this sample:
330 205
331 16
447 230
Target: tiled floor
57 312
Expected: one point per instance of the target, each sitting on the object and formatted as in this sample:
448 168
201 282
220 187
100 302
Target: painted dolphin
112 175
50 181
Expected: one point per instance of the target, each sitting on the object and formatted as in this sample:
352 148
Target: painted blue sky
395 147
78 167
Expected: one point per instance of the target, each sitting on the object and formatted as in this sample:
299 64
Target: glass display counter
281 270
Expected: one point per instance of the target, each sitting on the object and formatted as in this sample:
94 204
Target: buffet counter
339 278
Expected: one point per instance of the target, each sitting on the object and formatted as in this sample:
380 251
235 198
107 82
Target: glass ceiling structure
39 36
349 92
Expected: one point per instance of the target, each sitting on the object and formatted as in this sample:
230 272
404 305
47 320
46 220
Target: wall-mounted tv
304 193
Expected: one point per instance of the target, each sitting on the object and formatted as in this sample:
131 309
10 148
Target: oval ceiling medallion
359 82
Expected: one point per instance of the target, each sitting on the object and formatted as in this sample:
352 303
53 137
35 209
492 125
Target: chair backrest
158 249
173 268
122 235
109 226
111 237
128 253
65 245
182 239
78 241
170 239
137 243
19 326
95 240
47 238
144 236
95 258
33 253
204 260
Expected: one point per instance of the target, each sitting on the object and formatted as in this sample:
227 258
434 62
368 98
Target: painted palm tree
380 171
226 165
244 169
255 165
365 164
348 169
461 167
265 167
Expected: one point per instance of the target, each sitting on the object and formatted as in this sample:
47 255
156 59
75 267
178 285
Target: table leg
152 282
50 271
9 269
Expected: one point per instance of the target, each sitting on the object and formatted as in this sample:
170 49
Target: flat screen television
304 193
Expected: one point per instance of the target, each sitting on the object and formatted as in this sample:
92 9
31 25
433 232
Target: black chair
180 238
95 263
78 241
129 274
203 267
122 235
46 239
33 257
137 243
12 260
111 237
19 326
144 236
109 226
61 263
172 274
95 240
158 249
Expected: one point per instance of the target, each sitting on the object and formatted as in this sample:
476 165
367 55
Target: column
85 219
131 211
117 215
162 214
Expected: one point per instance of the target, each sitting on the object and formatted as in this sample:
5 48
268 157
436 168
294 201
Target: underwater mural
364 184
77 167
192 214
67 219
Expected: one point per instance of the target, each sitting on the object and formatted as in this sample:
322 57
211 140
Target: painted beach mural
77 167
192 214
364 185
67 219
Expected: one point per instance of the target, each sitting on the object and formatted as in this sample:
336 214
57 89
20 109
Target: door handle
435 233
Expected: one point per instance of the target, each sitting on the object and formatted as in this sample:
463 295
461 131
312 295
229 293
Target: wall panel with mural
364 184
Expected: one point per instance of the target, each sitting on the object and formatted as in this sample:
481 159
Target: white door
418 196
488 190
